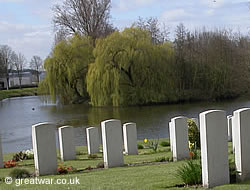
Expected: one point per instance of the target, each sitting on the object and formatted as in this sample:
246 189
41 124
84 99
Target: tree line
93 61
12 62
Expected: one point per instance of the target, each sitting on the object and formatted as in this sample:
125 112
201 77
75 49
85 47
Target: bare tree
158 32
86 17
7 62
19 63
59 36
36 64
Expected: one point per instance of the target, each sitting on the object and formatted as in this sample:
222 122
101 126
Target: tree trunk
37 75
20 83
7 79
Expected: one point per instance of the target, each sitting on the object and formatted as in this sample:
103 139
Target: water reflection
19 114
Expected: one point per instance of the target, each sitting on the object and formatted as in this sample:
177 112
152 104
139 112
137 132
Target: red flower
10 164
191 154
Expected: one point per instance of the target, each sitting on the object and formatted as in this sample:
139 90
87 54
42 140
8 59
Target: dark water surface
17 117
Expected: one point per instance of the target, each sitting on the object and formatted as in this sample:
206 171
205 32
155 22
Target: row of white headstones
216 129
113 140
213 136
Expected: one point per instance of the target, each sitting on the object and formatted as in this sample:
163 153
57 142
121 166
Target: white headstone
93 141
130 138
171 136
229 127
112 143
180 138
214 148
1 153
66 142
44 146
242 143
234 132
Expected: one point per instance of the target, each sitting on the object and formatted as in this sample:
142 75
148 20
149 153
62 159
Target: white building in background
28 79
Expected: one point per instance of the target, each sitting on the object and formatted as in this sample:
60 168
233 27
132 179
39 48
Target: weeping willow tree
67 68
129 70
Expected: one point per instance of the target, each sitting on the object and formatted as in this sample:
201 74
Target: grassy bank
142 172
17 93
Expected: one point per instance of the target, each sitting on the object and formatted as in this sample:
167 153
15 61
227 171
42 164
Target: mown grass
138 176
17 93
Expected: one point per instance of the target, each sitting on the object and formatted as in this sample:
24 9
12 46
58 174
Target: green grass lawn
138 176
17 93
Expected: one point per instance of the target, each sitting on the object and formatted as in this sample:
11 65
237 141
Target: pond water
17 115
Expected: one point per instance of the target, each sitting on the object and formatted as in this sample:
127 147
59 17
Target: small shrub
165 143
190 173
168 149
78 152
161 159
232 170
19 157
29 154
18 173
92 156
194 154
153 144
89 168
169 159
193 133
63 169
140 146
10 164
2 179
100 165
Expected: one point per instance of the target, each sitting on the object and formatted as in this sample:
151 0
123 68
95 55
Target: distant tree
19 62
85 17
6 56
36 64
181 66
59 36
158 31
67 68
128 73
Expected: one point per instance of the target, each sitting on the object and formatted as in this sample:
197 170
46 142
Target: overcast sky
26 25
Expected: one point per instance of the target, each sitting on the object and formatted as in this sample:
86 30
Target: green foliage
18 173
132 68
190 172
67 68
153 144
165 143
100 165
162 159
64 169
128 73
194 154
170 159
17 93
92 156
193 133
20 157
140 146
232 170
